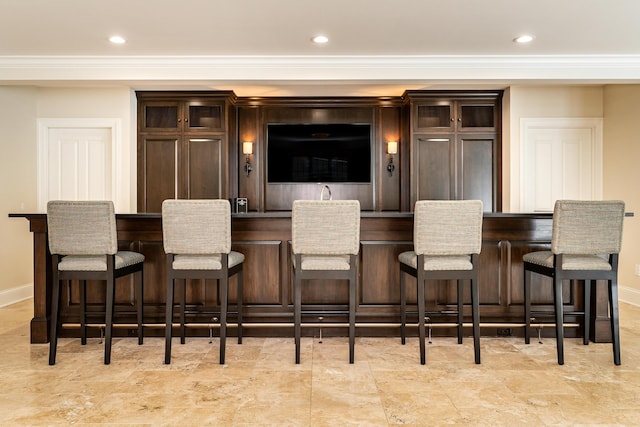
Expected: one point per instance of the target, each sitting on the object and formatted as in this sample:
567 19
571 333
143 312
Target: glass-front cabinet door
162 116
476 116
204 116
459 115
435 116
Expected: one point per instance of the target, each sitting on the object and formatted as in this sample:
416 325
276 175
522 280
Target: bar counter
264 239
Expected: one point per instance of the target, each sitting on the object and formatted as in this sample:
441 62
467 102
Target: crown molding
601 68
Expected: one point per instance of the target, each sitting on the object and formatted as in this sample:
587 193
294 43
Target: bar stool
84 246
447 239
585 242
325 244
197 240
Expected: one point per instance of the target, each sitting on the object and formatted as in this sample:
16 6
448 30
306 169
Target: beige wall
619 105
621 172
540 102
17 188
111 103
20 108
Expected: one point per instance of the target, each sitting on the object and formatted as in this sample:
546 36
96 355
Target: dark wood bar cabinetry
455 146
183 146
189 146
264 240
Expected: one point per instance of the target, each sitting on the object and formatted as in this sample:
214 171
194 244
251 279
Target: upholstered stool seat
447 239
569 262
197 241
437 262
325 243
585 242
84 246
205 262
324 262
98 262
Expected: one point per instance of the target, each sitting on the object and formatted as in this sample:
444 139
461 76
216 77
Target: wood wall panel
154 271
388 197
262 279
380 269
280 197
491 285
250 130
383 193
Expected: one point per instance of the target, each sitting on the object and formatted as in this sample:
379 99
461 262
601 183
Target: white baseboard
14 295
629 295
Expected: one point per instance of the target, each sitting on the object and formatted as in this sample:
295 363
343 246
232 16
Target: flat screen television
298 153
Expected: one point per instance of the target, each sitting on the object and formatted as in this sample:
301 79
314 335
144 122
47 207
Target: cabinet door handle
186 120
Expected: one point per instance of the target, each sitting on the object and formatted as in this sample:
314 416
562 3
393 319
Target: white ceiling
263 47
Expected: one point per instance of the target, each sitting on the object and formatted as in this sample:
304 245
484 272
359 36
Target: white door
76 162
561 159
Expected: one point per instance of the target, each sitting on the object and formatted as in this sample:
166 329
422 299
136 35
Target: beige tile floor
516 384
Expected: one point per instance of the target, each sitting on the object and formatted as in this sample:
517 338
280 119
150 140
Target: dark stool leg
352 311
421 310
140 307
168 321
83 311
460 310
183 306
224 292
615 321
55 313
475 306
527 305
403 308
109 319
557 297
587 311
297 309
240 286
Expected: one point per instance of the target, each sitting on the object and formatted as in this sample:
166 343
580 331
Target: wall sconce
392 148
247 150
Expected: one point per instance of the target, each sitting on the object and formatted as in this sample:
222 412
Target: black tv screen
318 153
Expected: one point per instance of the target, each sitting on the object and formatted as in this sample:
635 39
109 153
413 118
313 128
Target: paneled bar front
264 238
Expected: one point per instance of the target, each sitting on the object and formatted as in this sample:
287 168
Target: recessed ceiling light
320 39
117 40
525 38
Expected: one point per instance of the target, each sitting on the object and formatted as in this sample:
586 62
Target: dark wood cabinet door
204 116
157 168
455 146
160 116
181 116
476 116
477 170
443 115
434 116
203 168
182 146
435 168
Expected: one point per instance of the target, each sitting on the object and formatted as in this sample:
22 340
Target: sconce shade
247 148
392 147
